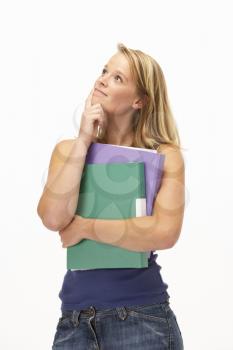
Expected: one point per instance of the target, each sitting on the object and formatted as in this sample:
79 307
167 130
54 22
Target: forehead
119 62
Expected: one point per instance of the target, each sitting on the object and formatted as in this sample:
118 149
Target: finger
89 99
95 109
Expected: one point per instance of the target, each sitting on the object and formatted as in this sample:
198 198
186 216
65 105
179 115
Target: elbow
173 238
54 220
165 239
55 225
51 222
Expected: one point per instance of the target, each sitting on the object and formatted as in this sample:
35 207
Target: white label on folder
140 206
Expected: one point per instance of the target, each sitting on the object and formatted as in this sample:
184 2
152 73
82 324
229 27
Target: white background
51 54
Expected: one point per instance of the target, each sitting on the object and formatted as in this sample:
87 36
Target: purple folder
153 164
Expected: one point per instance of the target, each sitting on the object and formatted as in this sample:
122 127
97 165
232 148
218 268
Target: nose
103 80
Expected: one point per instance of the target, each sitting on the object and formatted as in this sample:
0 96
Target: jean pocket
63 332
153 312
64 322
177 325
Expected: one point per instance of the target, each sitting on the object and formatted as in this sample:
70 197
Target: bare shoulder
174 161
61 151
66 144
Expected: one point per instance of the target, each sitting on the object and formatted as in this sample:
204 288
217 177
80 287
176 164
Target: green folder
108 191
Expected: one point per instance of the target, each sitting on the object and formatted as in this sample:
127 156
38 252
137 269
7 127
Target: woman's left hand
75 231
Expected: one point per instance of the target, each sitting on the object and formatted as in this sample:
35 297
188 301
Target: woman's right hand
92 116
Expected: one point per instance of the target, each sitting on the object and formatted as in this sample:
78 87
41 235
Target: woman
119 308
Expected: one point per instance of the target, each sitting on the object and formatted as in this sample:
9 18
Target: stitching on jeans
101 313
138 307
147 317
166 308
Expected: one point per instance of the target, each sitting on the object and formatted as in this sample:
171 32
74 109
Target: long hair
154 123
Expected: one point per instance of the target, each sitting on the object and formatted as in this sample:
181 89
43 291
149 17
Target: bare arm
159 231
163 228
139 234
59 199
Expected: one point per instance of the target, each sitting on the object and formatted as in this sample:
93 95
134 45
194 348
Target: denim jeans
139 327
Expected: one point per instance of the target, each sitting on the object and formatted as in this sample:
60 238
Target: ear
140 102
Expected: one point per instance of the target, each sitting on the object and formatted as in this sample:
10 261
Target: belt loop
93 310
75 317
166 306
122 313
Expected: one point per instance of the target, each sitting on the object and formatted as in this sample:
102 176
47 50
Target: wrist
88 226
84 138
82 144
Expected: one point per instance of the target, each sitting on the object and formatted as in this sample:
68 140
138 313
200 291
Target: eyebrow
118 71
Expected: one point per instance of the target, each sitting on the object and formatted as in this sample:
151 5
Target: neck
120 139
119 131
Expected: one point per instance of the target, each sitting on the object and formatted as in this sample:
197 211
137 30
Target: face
119 91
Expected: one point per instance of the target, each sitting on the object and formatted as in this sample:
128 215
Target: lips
100 91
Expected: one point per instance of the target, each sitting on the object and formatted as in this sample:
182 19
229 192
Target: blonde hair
154 123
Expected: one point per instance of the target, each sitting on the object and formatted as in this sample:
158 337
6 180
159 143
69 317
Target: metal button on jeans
90 311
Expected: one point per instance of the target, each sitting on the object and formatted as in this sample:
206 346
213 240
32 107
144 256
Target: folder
109 191
153 164
153 169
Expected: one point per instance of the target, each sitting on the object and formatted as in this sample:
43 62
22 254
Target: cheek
120 97
117 105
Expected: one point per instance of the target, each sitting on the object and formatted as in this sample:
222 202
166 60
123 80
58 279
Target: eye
117 76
